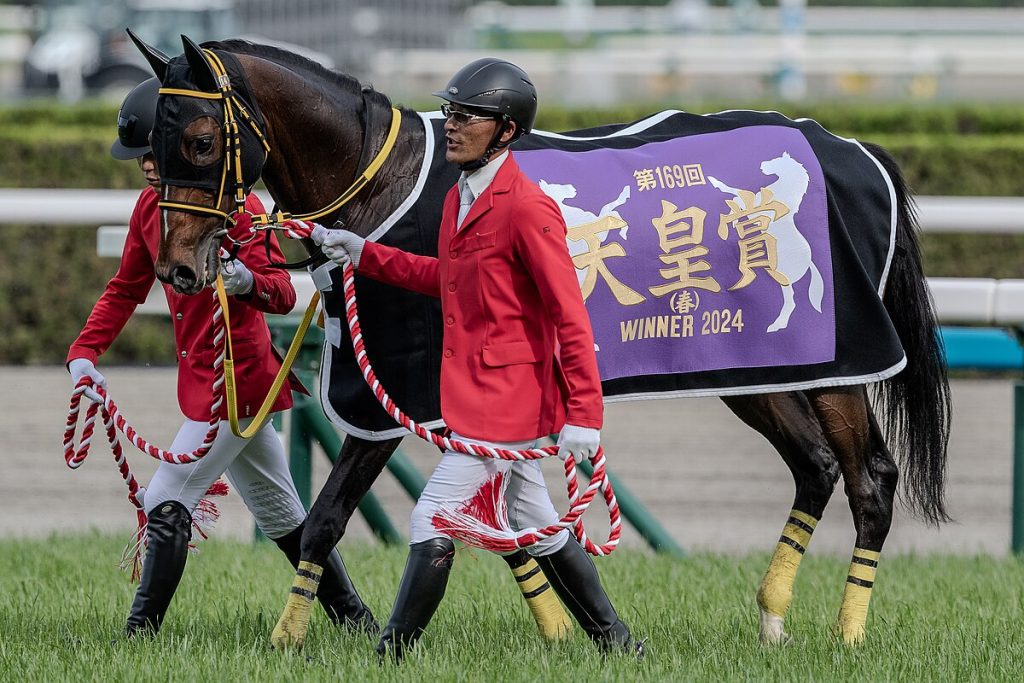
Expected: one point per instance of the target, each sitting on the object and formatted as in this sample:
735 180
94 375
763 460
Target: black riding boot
169 530
423 584
336 593
574 577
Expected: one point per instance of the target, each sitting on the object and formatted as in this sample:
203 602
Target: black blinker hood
175 112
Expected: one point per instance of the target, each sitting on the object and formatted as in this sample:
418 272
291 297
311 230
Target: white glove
318 234
339 245
83 367
237 278
578 442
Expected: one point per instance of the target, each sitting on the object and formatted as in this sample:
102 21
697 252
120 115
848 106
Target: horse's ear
202 72
157 60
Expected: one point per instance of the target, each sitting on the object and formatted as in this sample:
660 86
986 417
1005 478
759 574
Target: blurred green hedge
51 276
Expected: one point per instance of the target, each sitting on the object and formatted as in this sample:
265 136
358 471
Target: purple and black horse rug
732 253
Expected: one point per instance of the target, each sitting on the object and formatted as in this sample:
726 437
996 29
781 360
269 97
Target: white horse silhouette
573 216
793 250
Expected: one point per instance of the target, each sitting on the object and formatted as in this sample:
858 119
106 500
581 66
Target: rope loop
470 530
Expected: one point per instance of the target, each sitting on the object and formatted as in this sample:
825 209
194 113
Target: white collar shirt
477 181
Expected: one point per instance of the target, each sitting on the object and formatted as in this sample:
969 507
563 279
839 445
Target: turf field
63 602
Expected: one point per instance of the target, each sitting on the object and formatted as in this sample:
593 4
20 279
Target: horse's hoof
281 639
852 635
772 631
288 635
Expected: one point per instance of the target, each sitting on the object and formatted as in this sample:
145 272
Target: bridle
234 110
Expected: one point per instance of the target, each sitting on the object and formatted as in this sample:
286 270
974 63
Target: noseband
233 109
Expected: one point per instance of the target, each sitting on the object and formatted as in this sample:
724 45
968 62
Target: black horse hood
175 112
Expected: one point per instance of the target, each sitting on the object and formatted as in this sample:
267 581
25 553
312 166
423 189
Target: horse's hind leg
870 477
357 467
788 421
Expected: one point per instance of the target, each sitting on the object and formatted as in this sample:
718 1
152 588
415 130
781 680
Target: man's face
467 139
147 164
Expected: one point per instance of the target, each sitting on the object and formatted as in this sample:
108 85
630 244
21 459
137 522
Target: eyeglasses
462 118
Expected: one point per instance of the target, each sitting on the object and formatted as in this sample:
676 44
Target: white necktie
465 202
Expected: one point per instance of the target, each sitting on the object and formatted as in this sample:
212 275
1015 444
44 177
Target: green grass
62 603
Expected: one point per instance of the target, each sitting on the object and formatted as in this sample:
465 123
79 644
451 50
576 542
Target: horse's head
780 165
208 144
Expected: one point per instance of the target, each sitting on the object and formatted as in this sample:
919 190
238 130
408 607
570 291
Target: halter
235 107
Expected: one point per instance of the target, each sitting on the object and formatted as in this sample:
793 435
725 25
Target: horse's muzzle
184 280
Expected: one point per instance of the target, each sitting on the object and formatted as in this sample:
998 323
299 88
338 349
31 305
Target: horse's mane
300 65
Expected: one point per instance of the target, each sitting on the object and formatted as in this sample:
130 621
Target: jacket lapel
502 183
450 212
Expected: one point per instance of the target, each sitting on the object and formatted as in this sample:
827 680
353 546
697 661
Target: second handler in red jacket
257 467
518 360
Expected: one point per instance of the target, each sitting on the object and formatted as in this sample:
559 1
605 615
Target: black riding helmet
494 86
135 121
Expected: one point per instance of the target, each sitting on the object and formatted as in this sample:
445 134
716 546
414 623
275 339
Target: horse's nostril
183 277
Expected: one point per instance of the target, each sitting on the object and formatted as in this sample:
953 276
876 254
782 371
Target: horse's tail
916 402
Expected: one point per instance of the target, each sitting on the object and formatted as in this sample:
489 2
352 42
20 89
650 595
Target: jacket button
184 354
178 316
454 253
451 286
450 320
448 353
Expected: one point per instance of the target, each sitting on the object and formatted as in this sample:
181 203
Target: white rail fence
959 300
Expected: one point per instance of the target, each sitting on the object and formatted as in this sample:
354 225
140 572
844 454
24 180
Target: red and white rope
480 534
75 456
114 419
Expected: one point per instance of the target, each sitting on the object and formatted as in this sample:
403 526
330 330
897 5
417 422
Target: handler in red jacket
257 467
518 360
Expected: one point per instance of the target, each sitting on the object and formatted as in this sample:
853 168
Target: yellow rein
230 391
231 129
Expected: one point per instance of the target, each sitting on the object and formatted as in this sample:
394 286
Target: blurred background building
579 51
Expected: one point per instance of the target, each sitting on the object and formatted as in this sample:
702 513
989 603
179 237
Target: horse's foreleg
357 467
870 477
788 421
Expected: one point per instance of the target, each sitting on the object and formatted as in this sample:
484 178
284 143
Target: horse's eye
204 144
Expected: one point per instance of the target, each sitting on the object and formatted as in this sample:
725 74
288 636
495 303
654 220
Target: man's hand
339 245
83 367
237 278
578 442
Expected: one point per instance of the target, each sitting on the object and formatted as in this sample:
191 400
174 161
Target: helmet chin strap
495 145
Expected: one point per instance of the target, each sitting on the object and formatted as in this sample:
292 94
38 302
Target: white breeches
458 478
257 469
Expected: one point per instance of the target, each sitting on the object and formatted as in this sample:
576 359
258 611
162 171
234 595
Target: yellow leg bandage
853 614
294 622
776 591
552 621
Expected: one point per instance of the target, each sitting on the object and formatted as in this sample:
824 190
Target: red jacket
508 293
255 362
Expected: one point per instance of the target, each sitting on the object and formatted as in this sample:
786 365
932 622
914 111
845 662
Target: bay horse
320 130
